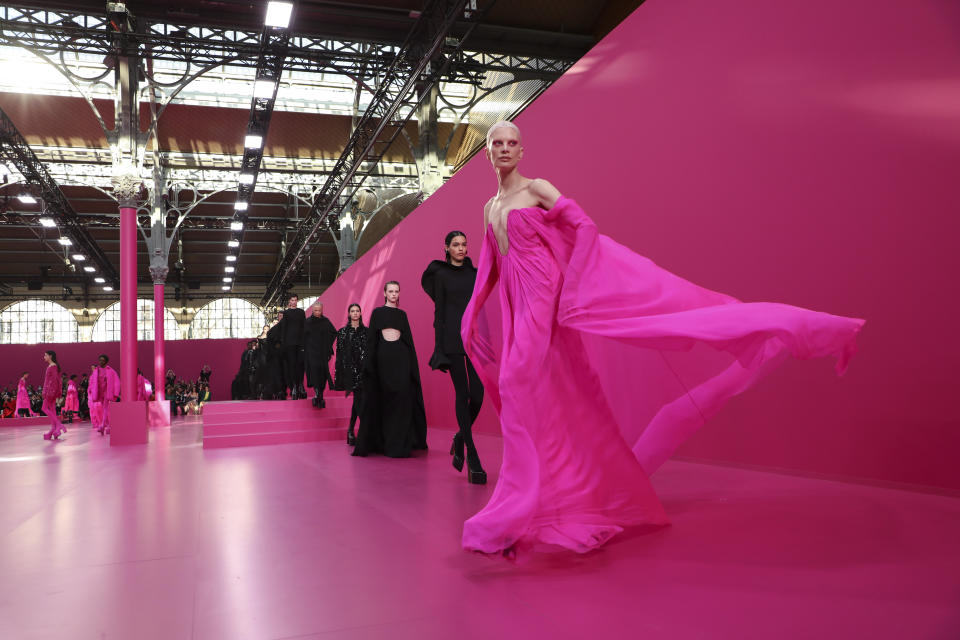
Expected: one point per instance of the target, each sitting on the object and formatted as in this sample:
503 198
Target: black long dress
269 378
319 335
393 420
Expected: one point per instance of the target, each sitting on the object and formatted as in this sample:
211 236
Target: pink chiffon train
602 365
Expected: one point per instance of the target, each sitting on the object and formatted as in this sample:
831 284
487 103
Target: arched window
37 321
107 326
227 318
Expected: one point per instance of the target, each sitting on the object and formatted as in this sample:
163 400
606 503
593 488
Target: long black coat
319 335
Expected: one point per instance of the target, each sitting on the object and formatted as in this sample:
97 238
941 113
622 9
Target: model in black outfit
393 420
269 379
450 284
291 337
318 337
350 362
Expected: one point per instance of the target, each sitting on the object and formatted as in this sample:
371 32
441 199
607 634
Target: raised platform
33 422
244 423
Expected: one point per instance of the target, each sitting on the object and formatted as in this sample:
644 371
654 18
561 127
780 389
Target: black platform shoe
456 450
351 439
475 472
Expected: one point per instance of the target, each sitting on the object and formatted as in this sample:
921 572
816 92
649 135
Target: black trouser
355 409
24 412
469 390
293 366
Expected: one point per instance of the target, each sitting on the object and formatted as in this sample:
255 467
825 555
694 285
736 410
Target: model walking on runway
572 475
449 283
52 390
350 363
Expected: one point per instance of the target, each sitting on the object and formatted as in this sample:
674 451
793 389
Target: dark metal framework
15 149
420 63
62 32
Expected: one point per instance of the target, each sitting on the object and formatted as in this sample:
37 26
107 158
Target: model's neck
456 263
390 304
354 323
509 181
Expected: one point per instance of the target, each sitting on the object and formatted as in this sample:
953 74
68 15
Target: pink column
159 372
128 303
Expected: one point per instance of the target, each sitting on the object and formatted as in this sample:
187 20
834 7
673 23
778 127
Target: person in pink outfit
144 388
71 404
614 331
23 409
96 417
52 390
104 388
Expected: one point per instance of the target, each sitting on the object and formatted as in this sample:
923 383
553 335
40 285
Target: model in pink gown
574 473
52 390
72 402
23 398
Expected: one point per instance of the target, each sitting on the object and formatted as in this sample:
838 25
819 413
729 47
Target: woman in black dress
450 283
350 362
318 336
393 420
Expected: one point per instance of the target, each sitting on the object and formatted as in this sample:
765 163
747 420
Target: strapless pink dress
602 365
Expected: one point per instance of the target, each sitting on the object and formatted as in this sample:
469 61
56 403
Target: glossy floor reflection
169 541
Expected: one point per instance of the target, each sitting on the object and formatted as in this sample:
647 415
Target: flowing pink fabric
580 315
72 403
144 388
23 399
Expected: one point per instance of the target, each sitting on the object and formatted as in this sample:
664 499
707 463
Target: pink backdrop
185 357
801 153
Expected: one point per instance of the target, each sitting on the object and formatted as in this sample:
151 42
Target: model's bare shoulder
546 194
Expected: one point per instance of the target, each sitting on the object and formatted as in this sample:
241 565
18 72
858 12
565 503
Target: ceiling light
225 287
264 88
228 279
47 222
89 269
252 141
79 257
236 225
233 243
231 258
240 205
99 280
245 178
278 14
108 288
65 241
26 198
228 269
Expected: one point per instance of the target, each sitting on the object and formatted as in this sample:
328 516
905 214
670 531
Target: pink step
260 426
257 422
275 437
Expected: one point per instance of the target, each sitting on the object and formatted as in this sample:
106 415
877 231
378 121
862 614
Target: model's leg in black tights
469 398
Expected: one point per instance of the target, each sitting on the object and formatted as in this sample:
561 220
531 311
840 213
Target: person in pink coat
52 390
96 413
104 388
144 388
72 403
23 398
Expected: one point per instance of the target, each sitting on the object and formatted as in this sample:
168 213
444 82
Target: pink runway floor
172 541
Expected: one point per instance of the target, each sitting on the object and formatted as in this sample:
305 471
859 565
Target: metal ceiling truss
58 32
15 150
420 64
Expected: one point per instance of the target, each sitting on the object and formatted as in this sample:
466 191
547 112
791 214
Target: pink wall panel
800 153
185 357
